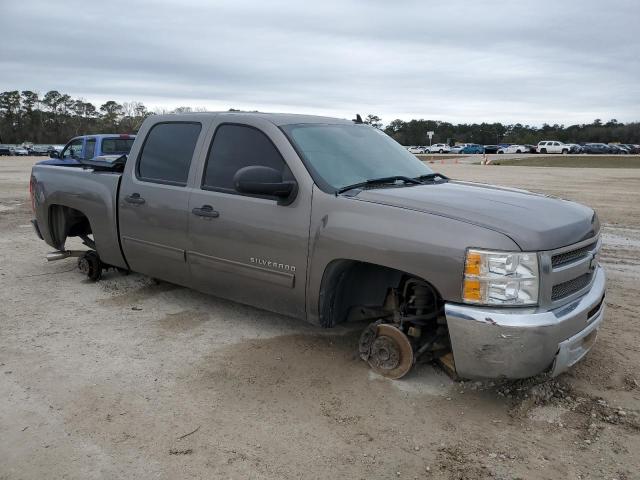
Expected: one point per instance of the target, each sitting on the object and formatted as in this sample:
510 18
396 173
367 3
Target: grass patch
575 161
439 156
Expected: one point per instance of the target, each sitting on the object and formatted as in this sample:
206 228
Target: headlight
500 278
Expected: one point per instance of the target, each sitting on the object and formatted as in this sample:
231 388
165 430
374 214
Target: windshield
347 154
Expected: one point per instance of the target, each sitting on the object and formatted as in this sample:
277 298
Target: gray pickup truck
331 221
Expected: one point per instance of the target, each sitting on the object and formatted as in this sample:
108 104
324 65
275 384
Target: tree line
414 132
55 117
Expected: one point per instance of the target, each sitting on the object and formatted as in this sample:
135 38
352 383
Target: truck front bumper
520 343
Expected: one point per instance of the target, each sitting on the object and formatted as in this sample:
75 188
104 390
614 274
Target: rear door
249 248
154 199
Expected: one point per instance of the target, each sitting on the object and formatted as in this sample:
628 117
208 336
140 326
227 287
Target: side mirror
53 154
257 180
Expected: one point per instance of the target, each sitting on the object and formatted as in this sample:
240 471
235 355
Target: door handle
206 211
134 198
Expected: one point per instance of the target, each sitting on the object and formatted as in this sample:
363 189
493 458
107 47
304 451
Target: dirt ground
126 378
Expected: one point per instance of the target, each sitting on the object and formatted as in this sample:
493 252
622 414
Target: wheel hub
387 350
385 353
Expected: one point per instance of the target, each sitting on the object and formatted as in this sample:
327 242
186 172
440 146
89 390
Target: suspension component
409 328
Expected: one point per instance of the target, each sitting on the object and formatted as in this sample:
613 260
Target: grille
565 289
568 257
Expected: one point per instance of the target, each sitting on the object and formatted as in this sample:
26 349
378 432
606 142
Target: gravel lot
127 378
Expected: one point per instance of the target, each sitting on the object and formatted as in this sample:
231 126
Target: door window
237 146
167 152
73 149
90 149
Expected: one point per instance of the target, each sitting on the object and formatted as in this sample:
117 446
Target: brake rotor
391 353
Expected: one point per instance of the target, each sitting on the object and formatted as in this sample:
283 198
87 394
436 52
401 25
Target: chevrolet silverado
332 221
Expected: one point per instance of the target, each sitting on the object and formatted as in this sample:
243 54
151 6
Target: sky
512 61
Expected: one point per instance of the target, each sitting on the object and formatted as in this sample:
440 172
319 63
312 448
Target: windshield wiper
380 181
432 177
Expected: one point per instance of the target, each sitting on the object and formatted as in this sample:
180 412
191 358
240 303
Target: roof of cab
108 135
275 118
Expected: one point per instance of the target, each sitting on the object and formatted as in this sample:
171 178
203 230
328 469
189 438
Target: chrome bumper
520 343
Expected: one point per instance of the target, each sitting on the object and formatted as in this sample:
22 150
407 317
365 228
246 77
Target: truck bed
91 192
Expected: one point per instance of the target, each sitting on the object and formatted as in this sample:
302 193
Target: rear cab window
167 153
116 145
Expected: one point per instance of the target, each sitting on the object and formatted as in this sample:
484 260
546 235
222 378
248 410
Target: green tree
111 113
373 120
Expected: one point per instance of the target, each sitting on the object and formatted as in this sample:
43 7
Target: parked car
513 149
20 152
439 148
472 148
596 148
247 207
5 150
574 147
416 150
38 150
532 148
88 147
633 149
457 148
54 148
618 149
553 146
491 148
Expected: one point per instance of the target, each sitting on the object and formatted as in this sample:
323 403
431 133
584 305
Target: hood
535 222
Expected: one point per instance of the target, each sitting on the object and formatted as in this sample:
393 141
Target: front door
154 200
72 152
248 248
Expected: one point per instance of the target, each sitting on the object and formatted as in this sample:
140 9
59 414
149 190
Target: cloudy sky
558 61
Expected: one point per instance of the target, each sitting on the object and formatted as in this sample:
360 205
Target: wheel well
67 222
350 283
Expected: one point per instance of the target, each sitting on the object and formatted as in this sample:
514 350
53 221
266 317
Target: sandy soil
131 379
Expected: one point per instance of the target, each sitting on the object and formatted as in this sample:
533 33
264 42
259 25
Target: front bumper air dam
523 342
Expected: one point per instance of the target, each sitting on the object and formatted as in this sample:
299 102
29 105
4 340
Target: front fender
427 246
